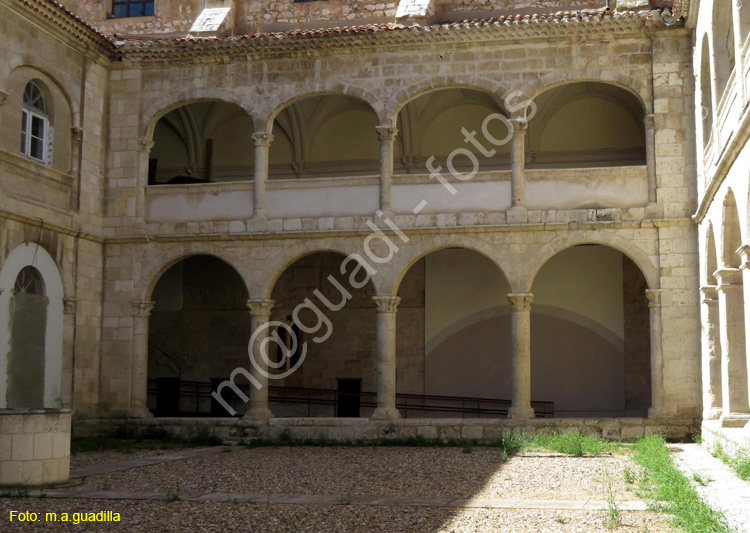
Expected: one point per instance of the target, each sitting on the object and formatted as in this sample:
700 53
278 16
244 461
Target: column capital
744 253
520 301
262 138
142 308
728 278
145 145
386 304
69 306
3 98
76 134
654 297
709 294
386 133
520 127
648 121
260 306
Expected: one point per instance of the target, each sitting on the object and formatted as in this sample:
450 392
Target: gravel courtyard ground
428 489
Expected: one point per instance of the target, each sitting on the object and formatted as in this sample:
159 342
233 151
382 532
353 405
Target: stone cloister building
534 212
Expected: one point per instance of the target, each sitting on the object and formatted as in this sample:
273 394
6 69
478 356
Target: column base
385 413
712 414
258 222
734 420
652 210
521 413
517 215
258 413
139 412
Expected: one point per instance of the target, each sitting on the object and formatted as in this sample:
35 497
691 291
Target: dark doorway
348 398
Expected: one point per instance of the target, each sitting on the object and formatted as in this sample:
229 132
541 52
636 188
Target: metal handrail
329 397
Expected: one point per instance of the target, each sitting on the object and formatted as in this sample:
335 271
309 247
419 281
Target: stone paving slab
724 491
95 470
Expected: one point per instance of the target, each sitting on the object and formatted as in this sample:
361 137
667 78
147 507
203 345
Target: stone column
76 145
3 99
386 409
260 314
387 136
657 408
711 353
144 151
139 360
735 408
262 142
651 159
517 212
520 306
744 253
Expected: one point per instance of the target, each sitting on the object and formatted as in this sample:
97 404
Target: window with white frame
36 131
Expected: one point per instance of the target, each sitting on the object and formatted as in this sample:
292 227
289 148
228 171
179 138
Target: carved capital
260 306
145 145
648 121
69 306
521 301
728 278
520 126
76 134
654 297
709 295
262 139
142 308
386 133
744 253
386 304
3 98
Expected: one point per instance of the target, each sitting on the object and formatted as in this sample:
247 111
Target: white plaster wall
30 254
586 188
586 280
322 197
199 202
472 196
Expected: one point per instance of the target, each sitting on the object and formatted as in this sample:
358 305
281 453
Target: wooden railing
174 397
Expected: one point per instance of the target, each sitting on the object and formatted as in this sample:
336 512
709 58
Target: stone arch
158 108
398 101
153 270
731 232
270 110
639 89
285 259
51 80
24 255
723 52
387 283
546 252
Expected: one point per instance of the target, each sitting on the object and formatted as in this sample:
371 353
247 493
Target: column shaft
260 313
651 158
139 360
711 353
386 323
734 385
521 359
262 142
517 163
657 355
387 136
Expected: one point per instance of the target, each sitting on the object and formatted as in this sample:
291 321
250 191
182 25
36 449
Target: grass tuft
573 442
672 491
740 464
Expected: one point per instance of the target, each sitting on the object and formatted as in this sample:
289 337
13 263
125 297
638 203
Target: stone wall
34 447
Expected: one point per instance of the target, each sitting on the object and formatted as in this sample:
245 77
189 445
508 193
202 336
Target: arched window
36 132
29 282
